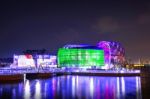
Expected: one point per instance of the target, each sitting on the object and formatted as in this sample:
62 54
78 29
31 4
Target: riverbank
14 75
11 78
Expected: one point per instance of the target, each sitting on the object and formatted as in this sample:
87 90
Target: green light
80 57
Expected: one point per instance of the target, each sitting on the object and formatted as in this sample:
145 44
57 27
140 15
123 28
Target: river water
74 87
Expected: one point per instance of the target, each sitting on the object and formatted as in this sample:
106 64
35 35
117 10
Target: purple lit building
88 56
114 53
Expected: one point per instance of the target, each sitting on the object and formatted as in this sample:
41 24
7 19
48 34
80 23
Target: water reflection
37 90
123 87
72 87
27 90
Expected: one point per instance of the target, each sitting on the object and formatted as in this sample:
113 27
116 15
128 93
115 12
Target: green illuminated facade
80 57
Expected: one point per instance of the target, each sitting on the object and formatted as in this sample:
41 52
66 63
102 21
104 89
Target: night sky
50 25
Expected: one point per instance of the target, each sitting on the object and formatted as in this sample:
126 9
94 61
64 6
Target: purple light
113 51
107 53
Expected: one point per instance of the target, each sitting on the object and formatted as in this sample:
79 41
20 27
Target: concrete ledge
98 74
38 75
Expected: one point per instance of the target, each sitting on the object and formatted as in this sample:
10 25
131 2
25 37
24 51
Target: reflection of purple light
14 93
45 89
138 87
37 90
118 88
27 93
54 86
73 86
123 86
91 87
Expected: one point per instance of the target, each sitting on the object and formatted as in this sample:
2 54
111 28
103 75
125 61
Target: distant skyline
51 25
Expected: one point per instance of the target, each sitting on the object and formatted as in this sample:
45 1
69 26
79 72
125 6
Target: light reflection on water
27 90
80 87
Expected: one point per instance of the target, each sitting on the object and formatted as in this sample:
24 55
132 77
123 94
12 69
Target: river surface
74 87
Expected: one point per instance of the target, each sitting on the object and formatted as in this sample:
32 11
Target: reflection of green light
80 57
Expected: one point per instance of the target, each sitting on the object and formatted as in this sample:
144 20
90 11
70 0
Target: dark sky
50 25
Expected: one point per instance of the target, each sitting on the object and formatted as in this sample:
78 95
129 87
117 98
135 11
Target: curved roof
80 47
115 47
75 45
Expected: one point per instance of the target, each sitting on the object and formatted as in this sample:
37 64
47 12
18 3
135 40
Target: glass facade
80 57
25 61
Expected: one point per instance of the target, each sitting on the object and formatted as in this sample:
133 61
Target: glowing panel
24 61
46 61
80 57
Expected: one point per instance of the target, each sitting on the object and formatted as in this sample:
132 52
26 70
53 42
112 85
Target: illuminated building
114 53
46 60
83 56
105 55
24 61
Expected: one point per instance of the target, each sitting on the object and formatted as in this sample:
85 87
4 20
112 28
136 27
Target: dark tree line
34 52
